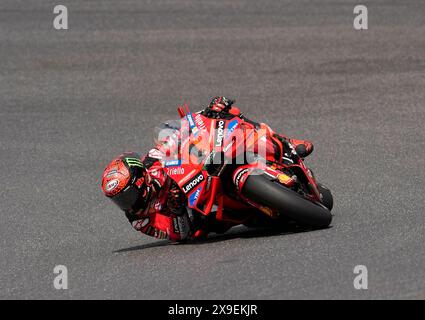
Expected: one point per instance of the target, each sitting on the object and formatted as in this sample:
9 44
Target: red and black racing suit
165 216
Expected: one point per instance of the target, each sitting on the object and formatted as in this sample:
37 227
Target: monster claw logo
134 162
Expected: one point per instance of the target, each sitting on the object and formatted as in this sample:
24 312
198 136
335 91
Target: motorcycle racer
148 197
152 201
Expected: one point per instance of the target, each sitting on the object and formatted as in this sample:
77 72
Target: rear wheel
273 195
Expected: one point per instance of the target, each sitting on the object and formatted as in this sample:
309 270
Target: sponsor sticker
283 178
193 183
192 123
187 177
195 196
111 185
172 163
175 171
239 176
219 131
200 122
231 127
267 211
134 162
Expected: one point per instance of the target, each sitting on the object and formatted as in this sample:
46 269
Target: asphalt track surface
71 100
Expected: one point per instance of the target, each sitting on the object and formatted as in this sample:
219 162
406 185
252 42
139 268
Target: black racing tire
327 198
263 191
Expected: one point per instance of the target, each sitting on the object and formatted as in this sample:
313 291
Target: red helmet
126 182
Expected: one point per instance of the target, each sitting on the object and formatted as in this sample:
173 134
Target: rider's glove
220 103
218 107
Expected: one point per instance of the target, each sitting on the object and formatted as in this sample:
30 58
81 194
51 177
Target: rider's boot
303 147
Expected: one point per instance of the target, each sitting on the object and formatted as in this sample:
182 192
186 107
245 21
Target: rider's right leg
303 147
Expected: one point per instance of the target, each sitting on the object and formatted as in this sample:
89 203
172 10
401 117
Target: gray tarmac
71 100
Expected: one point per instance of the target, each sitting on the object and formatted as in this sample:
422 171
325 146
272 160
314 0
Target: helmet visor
129 198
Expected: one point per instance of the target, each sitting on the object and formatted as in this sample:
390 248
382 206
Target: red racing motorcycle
229 172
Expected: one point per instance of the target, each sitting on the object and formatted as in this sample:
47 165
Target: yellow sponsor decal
267 211
283 178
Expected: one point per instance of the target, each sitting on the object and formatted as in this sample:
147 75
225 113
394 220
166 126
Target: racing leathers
165 217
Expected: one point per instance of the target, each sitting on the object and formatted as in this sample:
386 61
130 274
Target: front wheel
289 203
327 198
